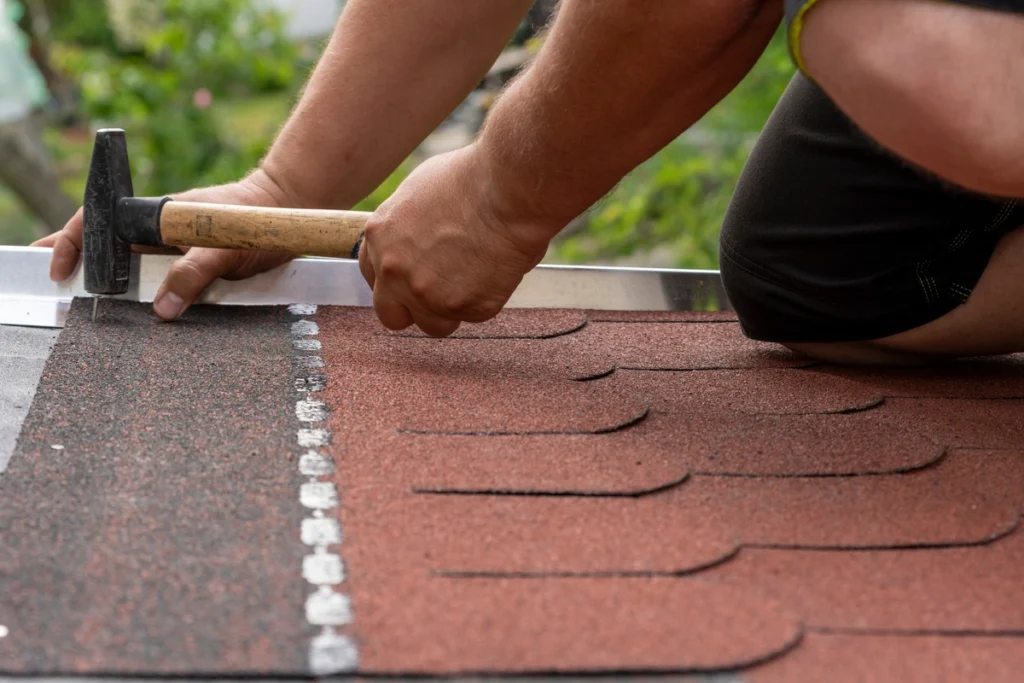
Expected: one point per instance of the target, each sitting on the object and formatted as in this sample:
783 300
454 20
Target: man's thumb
188 277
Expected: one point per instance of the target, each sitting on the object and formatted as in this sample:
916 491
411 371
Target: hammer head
106 258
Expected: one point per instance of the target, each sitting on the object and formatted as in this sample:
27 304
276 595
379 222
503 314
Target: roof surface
23 351
287 492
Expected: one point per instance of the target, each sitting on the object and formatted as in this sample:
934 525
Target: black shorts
831 238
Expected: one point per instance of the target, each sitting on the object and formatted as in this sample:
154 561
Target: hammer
114 220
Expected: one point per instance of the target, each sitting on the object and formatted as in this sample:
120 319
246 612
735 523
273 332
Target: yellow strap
794 34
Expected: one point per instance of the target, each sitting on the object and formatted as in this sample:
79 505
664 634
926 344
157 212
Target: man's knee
936 82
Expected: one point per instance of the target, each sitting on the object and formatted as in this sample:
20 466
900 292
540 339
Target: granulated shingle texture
618 463
843 658
552 492
961 501
516 324
709 346
998 377
755 392
964 423
490 539
569 625
674 317
163 537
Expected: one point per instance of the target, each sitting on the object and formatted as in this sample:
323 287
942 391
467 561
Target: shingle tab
756 392
938 591
521 323
999 377
618 463
846 658
446 626
711 346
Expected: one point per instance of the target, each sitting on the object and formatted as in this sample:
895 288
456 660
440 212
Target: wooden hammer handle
311 232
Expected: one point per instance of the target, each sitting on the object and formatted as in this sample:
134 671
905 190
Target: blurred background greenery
201 86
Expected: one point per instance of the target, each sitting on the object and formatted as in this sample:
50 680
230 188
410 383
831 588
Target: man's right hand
190 275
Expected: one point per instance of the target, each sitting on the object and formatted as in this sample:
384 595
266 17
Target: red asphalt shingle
567 625
522 323
755 392
840 657
610 464
709 346
752 469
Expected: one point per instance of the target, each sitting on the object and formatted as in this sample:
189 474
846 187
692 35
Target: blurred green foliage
202 90
81 22
669 211
165 89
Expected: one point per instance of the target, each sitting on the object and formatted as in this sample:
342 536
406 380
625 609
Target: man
880 249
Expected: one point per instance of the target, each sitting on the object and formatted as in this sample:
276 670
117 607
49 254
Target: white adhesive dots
327 606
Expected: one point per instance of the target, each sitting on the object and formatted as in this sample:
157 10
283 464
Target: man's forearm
392 71
615 82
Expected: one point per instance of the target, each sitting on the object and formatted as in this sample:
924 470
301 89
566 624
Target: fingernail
169 306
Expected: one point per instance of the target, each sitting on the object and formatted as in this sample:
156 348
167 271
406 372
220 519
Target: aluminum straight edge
28 297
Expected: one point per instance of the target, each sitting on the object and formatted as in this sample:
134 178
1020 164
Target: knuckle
458 302
187 272
422 288
392 267
486 310
375 224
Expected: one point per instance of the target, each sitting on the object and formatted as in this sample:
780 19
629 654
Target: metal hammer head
106 258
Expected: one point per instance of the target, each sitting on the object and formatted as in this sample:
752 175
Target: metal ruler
29 298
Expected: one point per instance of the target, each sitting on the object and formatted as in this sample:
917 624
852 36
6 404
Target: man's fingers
66 254
46 241
391 313
188 277
365 265
67 248
435 326
399 312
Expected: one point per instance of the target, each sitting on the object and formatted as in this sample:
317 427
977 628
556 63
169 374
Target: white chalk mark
307 344
313 383
321 532
312 438
305 328
323 569
57 447
313 464
4 631
319 514
308 410
330 653
308 362
302 309
327 608
318 495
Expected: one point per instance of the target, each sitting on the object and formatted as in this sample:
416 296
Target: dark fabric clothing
831 238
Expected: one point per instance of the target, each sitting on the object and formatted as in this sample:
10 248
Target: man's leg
990 323
939 84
